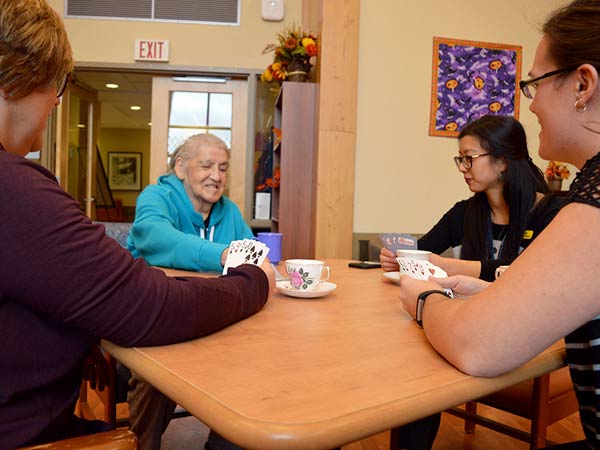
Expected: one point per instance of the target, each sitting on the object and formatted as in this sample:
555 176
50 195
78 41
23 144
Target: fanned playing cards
398 241
422 270
246 251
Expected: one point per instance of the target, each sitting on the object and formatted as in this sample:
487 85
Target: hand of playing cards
397 241
246 251
422 270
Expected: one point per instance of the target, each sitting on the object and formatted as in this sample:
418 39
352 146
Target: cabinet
293 201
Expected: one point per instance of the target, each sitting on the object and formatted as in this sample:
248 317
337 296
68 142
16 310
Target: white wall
405 179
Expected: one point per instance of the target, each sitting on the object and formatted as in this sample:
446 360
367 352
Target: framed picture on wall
471 79
125 171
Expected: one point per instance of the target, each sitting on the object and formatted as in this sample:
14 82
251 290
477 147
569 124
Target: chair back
117 231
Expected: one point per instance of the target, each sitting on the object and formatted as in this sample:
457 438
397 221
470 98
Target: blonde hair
34 48
189 147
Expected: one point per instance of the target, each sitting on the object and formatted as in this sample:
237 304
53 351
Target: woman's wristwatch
421 303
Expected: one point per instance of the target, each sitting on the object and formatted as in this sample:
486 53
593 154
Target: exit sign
151 50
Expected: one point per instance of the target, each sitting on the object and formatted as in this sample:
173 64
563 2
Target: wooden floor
188 433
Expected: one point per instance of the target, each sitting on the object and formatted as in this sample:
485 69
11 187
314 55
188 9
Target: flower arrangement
294 54
557 171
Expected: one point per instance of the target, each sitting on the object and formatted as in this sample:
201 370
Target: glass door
80 118
184 106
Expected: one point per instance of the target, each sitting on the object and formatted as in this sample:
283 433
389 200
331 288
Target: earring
580 106
501 176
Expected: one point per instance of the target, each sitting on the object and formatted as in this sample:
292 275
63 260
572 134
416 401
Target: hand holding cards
246 251
422 269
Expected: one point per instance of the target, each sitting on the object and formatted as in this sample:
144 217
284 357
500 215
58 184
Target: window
224 12
199 112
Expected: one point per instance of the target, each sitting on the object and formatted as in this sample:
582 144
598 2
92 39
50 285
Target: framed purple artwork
471 79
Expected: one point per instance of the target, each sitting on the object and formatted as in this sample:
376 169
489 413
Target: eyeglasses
63 86
467 160
528 87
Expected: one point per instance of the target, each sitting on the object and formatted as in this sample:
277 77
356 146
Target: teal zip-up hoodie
168 232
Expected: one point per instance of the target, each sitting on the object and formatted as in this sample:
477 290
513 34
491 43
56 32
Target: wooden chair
544 400
109 440
106 394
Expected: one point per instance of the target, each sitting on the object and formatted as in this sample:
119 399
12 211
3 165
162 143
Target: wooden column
336 22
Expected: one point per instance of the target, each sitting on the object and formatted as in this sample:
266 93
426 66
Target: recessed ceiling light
112 85
80 125
135 108
149 124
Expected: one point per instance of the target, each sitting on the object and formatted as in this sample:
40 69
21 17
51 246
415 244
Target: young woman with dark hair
510 207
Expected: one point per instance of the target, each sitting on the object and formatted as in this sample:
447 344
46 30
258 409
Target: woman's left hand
410 288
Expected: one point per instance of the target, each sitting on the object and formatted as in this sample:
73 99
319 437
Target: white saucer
393 276
324 288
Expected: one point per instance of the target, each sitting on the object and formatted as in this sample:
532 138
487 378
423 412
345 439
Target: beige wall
125 140
405 179
191 44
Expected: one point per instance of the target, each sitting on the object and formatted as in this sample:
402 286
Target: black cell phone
364 264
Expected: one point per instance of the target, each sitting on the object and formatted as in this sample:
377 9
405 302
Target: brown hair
186 150
34 49
574 34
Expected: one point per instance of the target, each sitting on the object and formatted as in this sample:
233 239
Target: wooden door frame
162 86
62 140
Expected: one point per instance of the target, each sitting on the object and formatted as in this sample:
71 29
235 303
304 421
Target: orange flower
290 43
312 49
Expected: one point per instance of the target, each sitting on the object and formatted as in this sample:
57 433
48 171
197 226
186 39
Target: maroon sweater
63 284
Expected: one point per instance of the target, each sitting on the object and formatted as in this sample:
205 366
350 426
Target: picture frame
125 171
471 79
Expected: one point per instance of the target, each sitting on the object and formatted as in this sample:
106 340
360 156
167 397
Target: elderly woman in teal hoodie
182 222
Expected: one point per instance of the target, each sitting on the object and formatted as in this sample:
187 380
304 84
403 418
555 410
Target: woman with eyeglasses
551 290
509 208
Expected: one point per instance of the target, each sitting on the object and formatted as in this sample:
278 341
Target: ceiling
115 112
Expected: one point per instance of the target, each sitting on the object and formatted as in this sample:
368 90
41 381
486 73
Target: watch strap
421 303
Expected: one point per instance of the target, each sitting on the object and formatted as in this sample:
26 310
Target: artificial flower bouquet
294 55
557 171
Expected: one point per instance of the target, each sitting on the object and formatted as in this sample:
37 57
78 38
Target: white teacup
500 270
414 254
306 274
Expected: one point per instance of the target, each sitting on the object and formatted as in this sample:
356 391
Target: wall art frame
471 79
125 171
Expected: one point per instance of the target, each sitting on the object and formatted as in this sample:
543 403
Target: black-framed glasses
467 160
528 87
63 87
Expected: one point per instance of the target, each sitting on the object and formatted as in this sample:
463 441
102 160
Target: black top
449 233
583 345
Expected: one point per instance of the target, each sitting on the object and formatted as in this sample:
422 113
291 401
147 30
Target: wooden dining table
317 373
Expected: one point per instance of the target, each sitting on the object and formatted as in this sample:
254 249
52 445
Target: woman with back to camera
509 208
64 285
551 290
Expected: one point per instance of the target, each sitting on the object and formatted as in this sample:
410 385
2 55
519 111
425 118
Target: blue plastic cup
273 241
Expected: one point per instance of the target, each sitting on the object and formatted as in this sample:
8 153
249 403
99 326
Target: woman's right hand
388 261
267 268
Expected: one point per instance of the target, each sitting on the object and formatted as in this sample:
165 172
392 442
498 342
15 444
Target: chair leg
471 409
539 423
394 439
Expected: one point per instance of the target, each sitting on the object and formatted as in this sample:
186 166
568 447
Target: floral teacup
306 274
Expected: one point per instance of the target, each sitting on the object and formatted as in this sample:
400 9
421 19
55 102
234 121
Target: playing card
246 251
420 269
397 241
